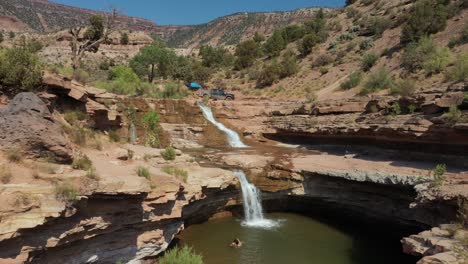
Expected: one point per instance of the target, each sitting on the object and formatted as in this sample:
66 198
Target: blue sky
187 12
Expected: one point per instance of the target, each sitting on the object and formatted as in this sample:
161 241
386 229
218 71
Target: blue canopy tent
194 86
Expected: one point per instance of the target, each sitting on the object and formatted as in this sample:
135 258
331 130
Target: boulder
450 99
26 124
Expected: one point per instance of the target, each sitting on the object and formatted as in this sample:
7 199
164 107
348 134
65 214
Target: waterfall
132 135
233 138
252 204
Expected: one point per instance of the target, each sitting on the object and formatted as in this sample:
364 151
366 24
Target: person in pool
236 243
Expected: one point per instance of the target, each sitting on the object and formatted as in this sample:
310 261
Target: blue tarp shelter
194 86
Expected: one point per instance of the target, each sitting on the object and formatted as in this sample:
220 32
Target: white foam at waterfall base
252 202
233 138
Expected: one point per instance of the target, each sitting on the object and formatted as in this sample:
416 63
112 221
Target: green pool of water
298 240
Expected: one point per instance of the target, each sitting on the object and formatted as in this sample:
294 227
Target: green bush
82 163
178 173
92 174
426 55
353 80
11 35
169 153
184 255
72 117
104 65
66 192
307 43
453 115
124 39
350 2
322 60
461 39
378 80
143 172
425 17
215 57
376 25
20 69
81 76
459 72
2 38
368 61
275 44
150 122
366 44
439 175
437 61
246 53
404 87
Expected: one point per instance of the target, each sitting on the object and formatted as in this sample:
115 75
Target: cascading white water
253 204
233 138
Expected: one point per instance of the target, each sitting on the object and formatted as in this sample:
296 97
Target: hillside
232 29
45 16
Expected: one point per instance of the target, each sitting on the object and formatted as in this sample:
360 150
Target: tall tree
154 57
100 26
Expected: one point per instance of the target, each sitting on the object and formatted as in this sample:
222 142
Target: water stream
233 138
252 203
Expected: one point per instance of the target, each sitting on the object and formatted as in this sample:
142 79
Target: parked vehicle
216 94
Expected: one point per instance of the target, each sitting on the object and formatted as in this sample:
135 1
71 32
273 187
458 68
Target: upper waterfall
233 138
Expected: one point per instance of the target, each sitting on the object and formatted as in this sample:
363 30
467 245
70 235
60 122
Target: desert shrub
20 69
246 53
368 61
5 174
122 80
150 122
461 39
288 64
92 174
405 87
14 155
275 44
215 56
184 255
425 17
169 153
11 35
439 175
350 2
143 172
323 70
453 115
104 65
378 80
437 61
81 76
124 39
396 109
79 135
72 117
269 74
366 44
114 136
376 25
82 162
318 26
322 60
425 54
353 80
2 38
174 91
459 72
351 12
177 172
66 192
258 37
307 43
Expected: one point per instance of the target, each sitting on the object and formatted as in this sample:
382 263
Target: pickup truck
216 94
